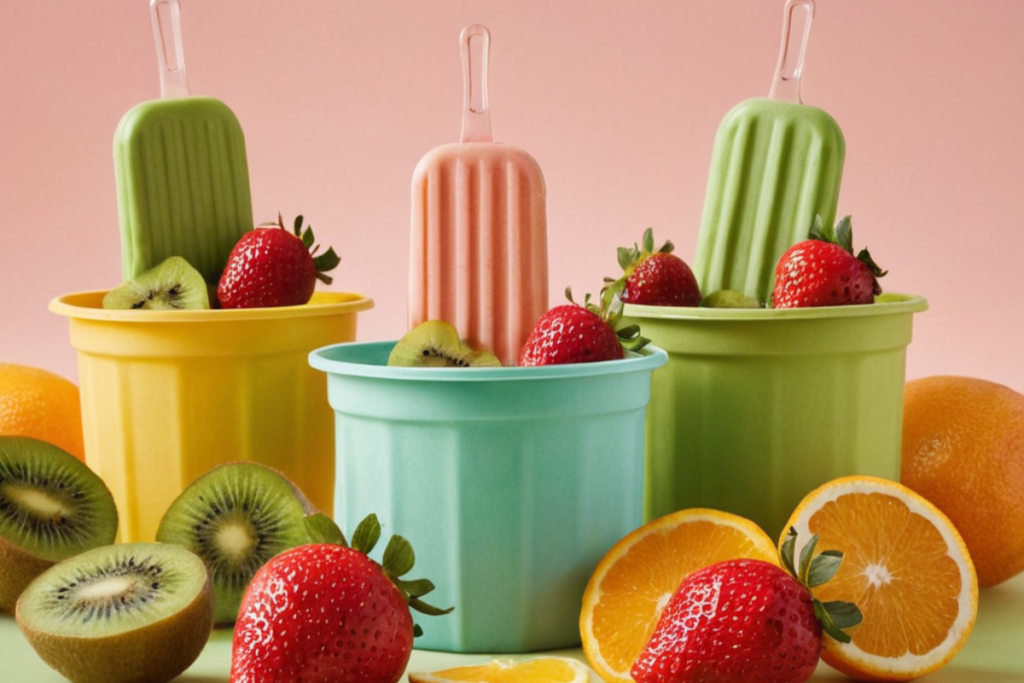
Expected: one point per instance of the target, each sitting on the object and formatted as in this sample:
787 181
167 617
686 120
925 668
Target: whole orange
38 403
963 450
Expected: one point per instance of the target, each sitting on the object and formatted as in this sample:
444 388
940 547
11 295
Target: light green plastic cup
757 407
511 483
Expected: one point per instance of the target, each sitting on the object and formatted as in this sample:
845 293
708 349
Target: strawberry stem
842 235
609 309
322 529
399 559
835 616
366 535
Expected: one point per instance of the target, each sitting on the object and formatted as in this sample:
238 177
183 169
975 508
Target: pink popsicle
478 255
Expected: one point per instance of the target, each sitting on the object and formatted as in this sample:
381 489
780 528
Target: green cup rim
890 303
88 305
325 359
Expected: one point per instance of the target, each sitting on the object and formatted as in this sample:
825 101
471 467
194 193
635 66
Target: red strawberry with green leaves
747 620
654 277
823 271
327 612
273 266
575 333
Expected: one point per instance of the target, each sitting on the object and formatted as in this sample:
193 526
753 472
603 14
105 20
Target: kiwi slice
172 285
120 613
436 344
52 506
236 517
729 298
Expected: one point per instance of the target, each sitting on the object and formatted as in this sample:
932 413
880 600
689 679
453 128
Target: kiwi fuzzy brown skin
17 570
156 652
198 522
28 464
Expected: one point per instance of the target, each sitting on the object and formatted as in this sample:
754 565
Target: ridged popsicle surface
478 257
774 167
182 184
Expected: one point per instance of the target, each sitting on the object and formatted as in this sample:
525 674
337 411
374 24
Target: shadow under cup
167 395
758 407
511 483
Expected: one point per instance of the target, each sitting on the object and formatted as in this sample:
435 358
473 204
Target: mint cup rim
369 359
890 303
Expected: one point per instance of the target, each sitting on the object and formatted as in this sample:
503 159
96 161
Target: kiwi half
52 506
172 285
436 344
236 517
120 613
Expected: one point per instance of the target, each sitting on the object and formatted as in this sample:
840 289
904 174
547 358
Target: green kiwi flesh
729 298
52 506
236 517
436 344
120 613
172 285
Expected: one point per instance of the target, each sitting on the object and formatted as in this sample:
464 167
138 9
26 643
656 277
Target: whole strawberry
272 266
574 333
746 620
823 271
654 278
327 612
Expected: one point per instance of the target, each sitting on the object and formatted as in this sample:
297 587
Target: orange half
536 670
906 568
636 578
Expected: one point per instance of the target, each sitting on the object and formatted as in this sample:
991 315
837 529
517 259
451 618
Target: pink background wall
618 101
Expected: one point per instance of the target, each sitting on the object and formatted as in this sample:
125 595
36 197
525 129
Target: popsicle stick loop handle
796 31
475 41
166 16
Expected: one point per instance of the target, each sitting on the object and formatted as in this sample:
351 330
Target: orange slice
635 580
536 670
906 568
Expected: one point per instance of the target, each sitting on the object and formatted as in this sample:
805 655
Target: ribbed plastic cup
167 395
757 407
511 483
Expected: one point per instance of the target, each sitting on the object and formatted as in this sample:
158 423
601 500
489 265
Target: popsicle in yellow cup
181 169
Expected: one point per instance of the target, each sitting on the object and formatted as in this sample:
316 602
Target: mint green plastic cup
757 407
511 483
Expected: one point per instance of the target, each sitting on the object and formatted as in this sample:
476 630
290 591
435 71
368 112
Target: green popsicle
181 169
776 164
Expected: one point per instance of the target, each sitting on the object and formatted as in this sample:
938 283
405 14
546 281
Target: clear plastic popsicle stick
796 30
166 16
476 111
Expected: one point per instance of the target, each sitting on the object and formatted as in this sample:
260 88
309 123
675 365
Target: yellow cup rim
88 305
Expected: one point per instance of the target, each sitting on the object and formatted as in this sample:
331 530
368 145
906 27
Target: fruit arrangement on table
668 554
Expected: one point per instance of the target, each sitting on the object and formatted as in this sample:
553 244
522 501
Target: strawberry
574 333
822 271
747 620
272 266
327 612
654 278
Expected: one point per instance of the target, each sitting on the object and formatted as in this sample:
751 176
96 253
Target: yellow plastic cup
167 395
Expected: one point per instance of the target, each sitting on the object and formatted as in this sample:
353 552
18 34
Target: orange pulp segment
906 568
636 578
